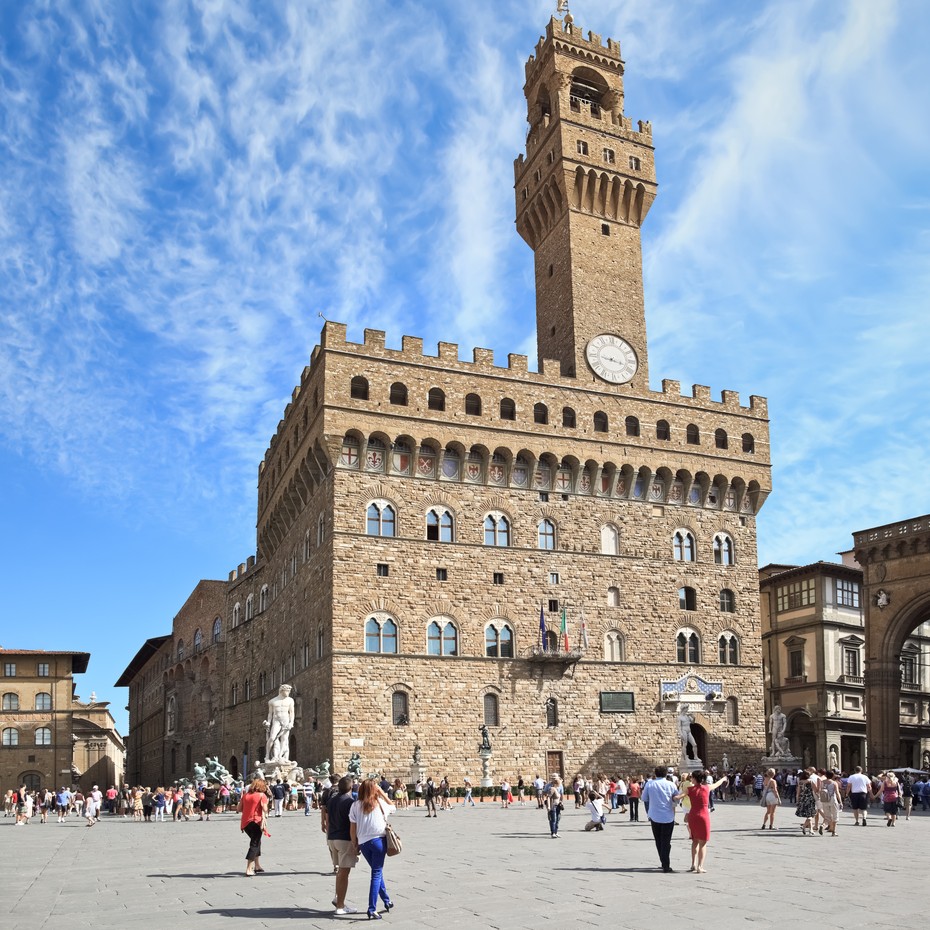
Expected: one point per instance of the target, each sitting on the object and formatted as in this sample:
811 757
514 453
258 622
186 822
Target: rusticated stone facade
416 512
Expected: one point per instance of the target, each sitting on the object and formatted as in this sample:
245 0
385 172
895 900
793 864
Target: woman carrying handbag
368 826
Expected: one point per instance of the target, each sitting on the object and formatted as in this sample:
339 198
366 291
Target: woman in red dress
699 817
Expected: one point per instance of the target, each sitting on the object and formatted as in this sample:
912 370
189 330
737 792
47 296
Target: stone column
883 718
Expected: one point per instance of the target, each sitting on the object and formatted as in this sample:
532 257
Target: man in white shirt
858 789
539 785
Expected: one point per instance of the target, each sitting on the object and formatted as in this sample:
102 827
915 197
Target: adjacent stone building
818 622
48 736
564 555
176 692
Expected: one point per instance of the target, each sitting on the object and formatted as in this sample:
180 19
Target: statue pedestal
417 773
486 780
689 765
792 763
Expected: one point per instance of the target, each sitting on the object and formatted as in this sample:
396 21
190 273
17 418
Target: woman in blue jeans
553 804
367 824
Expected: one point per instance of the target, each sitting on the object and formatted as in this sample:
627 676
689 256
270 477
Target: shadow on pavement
268 913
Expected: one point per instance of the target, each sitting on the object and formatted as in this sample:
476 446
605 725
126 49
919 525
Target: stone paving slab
480 867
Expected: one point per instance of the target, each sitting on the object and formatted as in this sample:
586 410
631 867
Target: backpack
826 795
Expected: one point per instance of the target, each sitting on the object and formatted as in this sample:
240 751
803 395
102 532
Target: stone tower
583 189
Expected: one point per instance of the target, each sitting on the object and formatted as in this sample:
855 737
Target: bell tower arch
583 189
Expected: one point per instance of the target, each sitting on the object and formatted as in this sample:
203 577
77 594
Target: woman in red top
254 810
699 817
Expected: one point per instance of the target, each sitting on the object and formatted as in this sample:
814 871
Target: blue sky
185 186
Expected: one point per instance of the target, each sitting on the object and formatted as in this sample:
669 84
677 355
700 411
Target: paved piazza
476 867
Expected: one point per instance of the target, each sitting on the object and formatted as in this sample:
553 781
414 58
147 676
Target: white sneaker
346 909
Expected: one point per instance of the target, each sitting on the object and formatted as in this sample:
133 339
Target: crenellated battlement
334 337
569 36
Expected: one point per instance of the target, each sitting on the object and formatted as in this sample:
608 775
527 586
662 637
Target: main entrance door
555 764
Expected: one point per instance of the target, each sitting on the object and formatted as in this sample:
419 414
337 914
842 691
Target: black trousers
662 834
254 832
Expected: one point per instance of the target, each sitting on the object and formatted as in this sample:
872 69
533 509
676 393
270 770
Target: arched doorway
700 737
234 767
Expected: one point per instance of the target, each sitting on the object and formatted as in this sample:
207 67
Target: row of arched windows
398 396
442 639
400 709
544 474
43 736
688 647
215 635
381 520
687 600
43 701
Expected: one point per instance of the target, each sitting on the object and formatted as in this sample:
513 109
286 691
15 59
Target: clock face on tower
611 358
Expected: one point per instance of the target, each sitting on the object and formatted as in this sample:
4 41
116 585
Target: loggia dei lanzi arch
895 561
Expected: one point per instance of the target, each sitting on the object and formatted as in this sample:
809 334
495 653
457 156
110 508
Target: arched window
731 712
43 701
181 649
359 389
687 598
237 610
380 635
610 539
613 597
498 641
440 526
568 417
540 413
400 708
749 444
398 395
728 646
263 596
491 710
727 601
683 546
600 422
442 640
688 647
171 715
663 431
508 409
43 736
247 689
198 641
10 701
10 736
217 630
552 712
250 607
693 435
496 530
381 519
473 405
613 646
720 439
723 549
436 399
632 426
546 534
